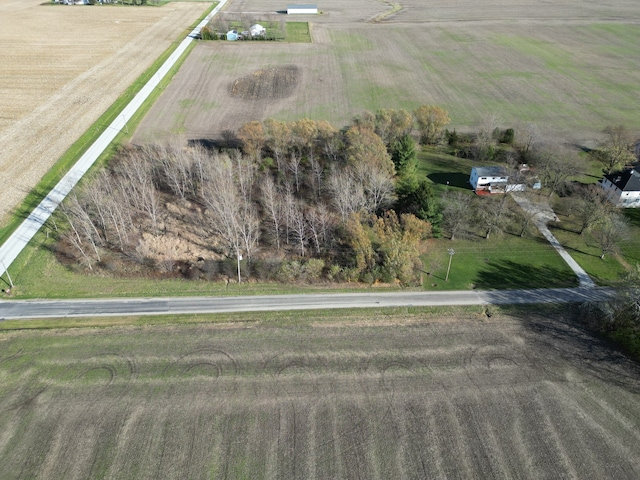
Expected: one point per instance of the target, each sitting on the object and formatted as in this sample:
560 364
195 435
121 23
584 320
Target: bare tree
456 214
136 181
320 222
317 176
491 213
231 215
377 184
272 205
590 204
556 166
298 227
617 149
346 192
608 231
295 167
83 232
176 165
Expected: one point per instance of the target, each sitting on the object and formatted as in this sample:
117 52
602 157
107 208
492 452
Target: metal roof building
309 9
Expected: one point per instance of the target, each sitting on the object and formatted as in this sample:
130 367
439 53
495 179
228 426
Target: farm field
569 67
378 396
61 68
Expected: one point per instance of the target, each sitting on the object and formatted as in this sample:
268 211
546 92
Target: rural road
10 250
17 309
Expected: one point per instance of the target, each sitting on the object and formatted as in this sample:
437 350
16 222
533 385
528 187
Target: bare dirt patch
460 398
267 83
61 68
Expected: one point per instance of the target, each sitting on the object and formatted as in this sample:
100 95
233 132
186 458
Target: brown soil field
387 397
571 67
61 68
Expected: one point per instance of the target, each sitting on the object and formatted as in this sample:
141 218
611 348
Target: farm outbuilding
309 9
232 35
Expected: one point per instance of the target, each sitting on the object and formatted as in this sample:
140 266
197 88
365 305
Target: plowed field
61 67
569 66
408 398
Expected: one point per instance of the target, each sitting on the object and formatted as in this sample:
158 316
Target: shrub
508 136
313 269
334 273
206 34
289 271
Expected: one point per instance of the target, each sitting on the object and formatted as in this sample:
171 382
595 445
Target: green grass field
298 32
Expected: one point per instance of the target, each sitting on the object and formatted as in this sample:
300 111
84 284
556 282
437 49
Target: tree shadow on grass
633 216
454 179
505 274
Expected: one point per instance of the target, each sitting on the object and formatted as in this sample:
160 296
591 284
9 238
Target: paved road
15 309
10 250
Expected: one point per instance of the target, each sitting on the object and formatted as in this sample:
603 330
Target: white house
257 30
309 9
623 188
489 179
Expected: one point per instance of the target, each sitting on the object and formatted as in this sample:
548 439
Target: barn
309 9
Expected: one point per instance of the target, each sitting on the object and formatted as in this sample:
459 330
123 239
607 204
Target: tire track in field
109 373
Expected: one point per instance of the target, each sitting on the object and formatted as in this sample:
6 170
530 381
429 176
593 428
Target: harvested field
61 68
569 67
388 397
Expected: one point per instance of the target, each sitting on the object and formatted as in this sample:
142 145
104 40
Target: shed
309 9
257 30
232 35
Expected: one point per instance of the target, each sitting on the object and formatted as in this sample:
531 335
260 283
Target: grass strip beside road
73 154
293 318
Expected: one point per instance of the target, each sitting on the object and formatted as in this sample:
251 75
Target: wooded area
300 201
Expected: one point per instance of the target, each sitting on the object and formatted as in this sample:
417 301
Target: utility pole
7 272
451 251
239 258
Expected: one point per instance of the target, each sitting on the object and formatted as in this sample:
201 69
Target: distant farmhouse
623 188
497 179
309 9
257 30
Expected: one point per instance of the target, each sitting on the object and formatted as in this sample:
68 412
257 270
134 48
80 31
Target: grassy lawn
512 262
298 32
586 252
509 262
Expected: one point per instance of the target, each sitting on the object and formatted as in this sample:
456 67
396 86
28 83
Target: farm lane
17 309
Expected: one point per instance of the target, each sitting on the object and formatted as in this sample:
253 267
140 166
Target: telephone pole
451 251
